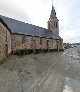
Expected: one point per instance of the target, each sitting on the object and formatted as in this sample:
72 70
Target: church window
56 24
40 40
48 25
23 39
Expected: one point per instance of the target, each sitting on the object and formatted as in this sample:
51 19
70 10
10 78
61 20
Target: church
16 35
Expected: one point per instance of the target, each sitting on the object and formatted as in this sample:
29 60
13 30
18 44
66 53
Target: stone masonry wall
50 43
54 46
5 39
27 42
36 43
16 42
60 42
31 42
9 41
44 43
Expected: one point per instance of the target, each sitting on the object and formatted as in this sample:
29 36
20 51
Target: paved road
64 75
49 72
23 73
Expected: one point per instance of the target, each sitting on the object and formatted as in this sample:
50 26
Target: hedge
29 51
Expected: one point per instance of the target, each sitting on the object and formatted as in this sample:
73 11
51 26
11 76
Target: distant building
16 35
66 45
75 45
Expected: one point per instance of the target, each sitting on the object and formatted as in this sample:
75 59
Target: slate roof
28 29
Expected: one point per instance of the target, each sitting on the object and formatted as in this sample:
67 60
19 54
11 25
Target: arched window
56 24
23 39
49 25
40 40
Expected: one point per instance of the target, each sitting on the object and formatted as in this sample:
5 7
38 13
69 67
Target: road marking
63 53
67 89
38 82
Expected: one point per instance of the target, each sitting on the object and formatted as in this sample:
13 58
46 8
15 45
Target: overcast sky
37 12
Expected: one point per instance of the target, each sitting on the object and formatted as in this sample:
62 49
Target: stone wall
54 44
44 43
16 42
5 42
60 44
9 42
34 43
24 42
50 43
28 43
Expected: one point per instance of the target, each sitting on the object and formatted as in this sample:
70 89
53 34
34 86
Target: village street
65 75
44 72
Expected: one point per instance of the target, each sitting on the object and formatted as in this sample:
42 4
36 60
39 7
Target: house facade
17 35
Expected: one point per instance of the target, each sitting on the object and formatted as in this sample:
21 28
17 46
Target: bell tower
53 23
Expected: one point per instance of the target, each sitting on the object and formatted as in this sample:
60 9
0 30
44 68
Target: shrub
61 50
23 51
44 50
29 51
38 51
20 52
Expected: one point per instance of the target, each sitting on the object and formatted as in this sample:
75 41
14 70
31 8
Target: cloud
70 35
70 21
38 12
10 10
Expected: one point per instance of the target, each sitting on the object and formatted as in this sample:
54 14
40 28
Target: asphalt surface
65 75
44 72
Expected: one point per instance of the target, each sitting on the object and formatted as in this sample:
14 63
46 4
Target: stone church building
16 35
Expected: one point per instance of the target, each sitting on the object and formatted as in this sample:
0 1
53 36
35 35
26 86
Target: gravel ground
19 73
50 72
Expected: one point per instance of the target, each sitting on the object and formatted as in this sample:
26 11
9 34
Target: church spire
53 13
52 3
53 23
